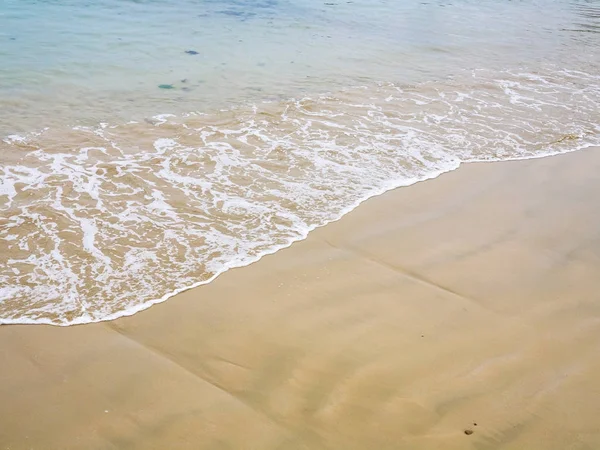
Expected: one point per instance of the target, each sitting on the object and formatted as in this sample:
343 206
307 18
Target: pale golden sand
472 298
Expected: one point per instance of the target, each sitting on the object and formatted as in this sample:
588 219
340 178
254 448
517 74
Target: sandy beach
458 313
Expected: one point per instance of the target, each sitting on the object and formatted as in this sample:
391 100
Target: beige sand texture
472 298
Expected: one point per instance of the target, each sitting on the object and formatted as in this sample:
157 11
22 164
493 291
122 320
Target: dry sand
472 298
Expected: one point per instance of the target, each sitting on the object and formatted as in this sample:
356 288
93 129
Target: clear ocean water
146 146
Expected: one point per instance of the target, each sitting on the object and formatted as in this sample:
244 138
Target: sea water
148 146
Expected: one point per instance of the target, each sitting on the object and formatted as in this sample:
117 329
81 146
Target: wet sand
466 303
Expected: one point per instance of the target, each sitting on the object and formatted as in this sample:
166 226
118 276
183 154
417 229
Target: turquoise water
148 146
92 61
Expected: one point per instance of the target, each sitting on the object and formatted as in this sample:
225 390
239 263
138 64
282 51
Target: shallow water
149 146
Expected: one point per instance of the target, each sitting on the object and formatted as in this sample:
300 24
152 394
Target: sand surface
470 299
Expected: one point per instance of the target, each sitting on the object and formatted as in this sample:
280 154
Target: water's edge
392 185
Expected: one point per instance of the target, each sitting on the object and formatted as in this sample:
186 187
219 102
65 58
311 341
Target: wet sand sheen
471 298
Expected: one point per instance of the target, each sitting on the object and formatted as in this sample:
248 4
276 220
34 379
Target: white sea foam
141 211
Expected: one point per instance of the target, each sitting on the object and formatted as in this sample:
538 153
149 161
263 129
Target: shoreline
377 193
467 299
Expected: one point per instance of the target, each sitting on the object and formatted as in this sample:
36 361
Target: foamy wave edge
390 186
